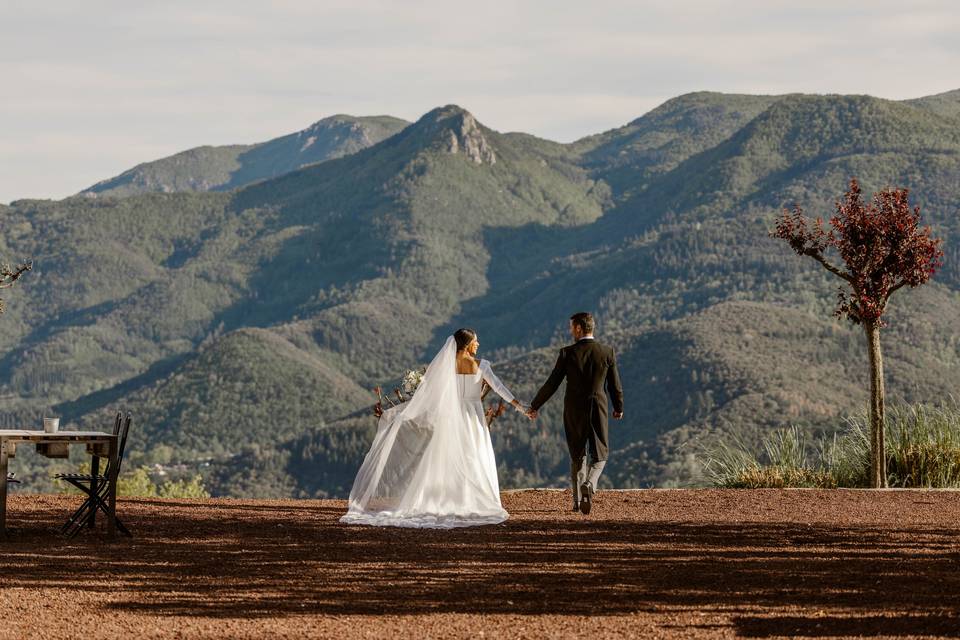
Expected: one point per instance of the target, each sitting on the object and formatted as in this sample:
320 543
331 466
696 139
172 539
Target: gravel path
645 564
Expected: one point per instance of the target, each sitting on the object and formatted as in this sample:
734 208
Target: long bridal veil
423 468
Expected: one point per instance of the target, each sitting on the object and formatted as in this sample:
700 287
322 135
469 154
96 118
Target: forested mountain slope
246 327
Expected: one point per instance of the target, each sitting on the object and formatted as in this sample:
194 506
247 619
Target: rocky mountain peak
460 132
338 129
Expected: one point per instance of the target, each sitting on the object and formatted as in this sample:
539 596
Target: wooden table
99 444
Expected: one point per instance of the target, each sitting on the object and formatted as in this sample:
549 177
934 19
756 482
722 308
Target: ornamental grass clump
923 451
847 454
786 459
924 447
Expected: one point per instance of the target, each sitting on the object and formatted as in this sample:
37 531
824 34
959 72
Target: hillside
631 157
228 167
324 281
945 104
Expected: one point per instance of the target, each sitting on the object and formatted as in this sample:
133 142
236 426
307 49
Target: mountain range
228 167
243 300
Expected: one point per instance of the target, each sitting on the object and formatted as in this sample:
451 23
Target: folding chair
96 486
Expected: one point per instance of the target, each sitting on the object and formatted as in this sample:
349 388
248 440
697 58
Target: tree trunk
878 459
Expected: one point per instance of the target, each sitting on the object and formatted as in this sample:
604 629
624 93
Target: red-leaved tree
883 248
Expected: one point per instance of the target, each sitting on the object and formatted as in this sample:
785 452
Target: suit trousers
581 472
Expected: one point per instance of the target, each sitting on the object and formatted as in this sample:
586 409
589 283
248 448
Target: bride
431 464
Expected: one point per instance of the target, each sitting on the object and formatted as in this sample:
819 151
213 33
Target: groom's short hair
584 320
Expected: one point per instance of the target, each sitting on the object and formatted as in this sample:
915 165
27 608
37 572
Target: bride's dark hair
464 337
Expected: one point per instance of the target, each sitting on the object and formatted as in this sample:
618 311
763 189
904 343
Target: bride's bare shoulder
468 366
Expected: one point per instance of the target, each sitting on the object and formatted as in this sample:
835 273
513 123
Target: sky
90 89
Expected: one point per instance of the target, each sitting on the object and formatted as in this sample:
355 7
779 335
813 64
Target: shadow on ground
249 560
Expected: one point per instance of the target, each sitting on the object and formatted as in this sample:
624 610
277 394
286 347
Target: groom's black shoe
586 498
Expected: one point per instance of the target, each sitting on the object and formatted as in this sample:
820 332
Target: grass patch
922 450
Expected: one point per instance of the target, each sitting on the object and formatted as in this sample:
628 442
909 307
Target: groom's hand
618 415
532 414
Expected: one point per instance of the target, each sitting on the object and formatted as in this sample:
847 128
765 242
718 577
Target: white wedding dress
431 464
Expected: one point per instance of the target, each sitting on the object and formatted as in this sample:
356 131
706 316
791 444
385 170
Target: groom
588 367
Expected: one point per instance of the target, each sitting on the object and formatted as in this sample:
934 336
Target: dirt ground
644 564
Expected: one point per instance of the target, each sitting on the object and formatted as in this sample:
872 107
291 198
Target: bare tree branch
895 287
816 255
8 276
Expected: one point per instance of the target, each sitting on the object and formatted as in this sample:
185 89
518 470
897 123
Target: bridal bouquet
412 380
409 383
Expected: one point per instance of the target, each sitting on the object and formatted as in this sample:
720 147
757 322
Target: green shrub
136 484
139 484
192 488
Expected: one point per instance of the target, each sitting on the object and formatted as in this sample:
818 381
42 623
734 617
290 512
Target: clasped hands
532 413
525 410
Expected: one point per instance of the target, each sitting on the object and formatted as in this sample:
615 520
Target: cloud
91 89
